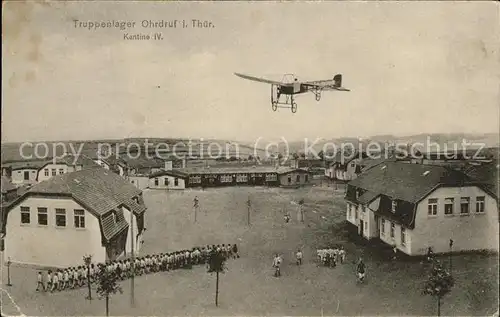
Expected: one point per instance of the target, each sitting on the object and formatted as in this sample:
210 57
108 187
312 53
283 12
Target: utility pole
132 251
132 280
249 205
9 262
451 249
195 206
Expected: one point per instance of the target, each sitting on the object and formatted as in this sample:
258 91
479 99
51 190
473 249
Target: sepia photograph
250 158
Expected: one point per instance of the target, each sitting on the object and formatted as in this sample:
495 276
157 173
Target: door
361 227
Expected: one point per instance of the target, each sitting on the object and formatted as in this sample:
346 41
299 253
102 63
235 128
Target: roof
143 162
242 169
72 160
407 182
368 197
25 165
486 173
344 158
369 162
174 173
97 190
7 186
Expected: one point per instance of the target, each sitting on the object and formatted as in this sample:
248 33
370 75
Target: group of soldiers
75 277
331 256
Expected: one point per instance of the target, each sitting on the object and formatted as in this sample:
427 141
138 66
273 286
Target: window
393 227
61 217
289 179
432 207
464 205
42 216
298 178
176 181
271 177
480 204
352 164
25 215
306 178
165 181
356 214
27 176
448 206
403 236
195 179
53 172
242 178
61 171
79 216
382 227
156 181
393 206
363 209
365 227
46 172
349 213
226 179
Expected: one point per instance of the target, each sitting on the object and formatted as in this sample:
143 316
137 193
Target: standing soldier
39 282
276 265
342 254
49 281
394 252
298 256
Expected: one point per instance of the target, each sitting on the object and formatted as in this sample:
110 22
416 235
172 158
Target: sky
421 67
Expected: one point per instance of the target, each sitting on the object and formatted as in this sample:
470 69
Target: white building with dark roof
22 173
415 207
58 221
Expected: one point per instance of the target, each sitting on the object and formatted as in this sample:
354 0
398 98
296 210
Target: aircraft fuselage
293 90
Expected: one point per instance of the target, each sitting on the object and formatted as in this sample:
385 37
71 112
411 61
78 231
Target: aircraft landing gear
276 103
318 97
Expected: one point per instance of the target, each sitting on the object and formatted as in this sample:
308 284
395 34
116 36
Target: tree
107 285
217 264
439 283
87 259
250 157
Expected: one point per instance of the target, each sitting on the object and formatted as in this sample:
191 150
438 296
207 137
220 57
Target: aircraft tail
337 80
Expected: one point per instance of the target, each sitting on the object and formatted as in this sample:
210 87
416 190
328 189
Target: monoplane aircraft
290 86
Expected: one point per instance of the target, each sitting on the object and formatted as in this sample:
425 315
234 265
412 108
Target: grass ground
248 287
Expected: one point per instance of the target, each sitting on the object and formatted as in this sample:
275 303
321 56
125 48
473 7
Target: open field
248 287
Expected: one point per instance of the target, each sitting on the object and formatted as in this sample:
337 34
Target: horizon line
250 140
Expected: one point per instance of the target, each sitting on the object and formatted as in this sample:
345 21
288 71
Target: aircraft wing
262 80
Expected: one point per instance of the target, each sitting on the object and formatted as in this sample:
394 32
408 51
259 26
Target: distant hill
10 152
163 147
422 141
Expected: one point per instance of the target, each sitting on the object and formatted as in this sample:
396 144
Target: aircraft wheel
274 106
318 97
294 107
